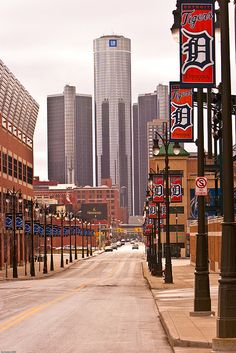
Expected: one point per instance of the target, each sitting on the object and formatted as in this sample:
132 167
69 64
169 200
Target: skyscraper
162 102
112 79
69 117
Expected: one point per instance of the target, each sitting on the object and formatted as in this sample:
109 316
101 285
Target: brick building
18 116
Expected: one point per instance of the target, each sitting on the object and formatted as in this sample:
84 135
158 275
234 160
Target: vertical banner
8 221
152 213
181 113
19 221
36 228
197 43
163 211
176 192
158 188
28 227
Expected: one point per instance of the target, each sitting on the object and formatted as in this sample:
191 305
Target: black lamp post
75 219
82 222
70 217
51 224
61 216
44 212
226 321
87 240
14 195
31 207
91 240
156 150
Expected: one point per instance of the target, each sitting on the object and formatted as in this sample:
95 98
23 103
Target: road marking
29 312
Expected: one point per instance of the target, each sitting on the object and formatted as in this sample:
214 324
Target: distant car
118 243
114 246
132 242
108 248
135 246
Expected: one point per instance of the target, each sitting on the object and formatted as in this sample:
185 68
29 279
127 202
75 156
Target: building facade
112 85
69 120
18 116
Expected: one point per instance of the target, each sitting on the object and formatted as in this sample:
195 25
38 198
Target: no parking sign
201 186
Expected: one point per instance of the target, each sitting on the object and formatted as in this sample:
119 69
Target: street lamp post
156 151
44 210
75 219
51 262
87 241
82 238
61 216
176 234
226 322
31 207
91 240
159 249
70 216
14 195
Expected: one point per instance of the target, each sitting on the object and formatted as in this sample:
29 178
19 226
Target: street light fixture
156 150
14 195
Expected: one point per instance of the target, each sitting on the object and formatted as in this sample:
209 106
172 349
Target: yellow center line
27 313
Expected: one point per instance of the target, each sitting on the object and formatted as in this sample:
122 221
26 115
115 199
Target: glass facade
112 79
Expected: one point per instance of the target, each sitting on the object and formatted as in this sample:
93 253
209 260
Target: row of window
15 168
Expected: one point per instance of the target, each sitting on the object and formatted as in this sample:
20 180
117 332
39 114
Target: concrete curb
169 326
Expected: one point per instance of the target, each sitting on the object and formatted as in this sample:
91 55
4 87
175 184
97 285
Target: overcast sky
49 43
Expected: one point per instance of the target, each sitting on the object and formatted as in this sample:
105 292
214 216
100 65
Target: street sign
201 186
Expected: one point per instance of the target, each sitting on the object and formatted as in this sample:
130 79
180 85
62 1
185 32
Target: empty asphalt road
99 305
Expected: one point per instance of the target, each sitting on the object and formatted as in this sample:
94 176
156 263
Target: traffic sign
201 186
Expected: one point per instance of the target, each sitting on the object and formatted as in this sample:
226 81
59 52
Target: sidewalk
6 274
186 333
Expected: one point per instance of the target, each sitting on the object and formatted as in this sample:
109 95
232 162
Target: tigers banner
197 43
176 191
152 213
181 113
158 187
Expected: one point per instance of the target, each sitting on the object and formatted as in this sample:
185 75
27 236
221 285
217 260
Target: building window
10 165
15 168
29 175
24 172
20 169
0 161
4 162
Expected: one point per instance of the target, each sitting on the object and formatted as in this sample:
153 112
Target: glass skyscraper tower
112 79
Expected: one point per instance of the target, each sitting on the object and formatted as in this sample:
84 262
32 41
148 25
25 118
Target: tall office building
136 174
69 118
162 102
112 79
150 106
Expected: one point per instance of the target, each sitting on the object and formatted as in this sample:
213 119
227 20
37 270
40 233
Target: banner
163 211
158 187
28 227
8 221
152 212
19 221
197 43
176 190
181 113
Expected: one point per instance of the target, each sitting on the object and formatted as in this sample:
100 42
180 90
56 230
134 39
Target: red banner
181 113
149 223
176 190
158 188
152 210
197 43
163 211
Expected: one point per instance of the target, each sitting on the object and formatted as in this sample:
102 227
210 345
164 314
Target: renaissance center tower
112 80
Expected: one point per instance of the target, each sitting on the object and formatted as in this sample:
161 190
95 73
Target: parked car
114 246
135 246
108 248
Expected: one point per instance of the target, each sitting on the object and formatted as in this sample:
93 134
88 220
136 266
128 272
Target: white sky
49 43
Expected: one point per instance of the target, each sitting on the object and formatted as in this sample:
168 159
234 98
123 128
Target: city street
102 304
